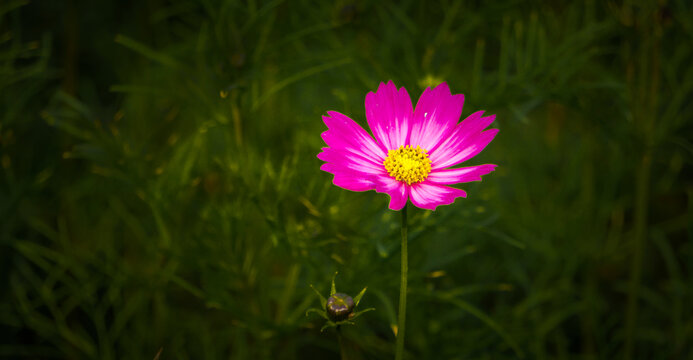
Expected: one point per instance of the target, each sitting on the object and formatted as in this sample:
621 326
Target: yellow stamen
408 164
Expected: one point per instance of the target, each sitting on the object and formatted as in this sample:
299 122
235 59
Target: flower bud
339 307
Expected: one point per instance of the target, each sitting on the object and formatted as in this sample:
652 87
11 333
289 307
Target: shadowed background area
160 191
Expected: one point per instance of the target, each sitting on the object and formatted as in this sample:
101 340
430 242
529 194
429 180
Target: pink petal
344 133
464 142
460 175
353 181
429 196
435 116
473 124
462 151
389 112
353 156
341 160
396 189
348 179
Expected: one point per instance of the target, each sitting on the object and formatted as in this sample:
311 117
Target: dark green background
160 191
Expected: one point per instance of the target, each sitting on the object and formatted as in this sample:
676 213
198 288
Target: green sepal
328 325
358 313
323 301
317 311
334 289
358 297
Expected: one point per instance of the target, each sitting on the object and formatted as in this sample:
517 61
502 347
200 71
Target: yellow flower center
408 164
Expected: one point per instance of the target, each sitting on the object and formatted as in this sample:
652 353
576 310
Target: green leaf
11 5
484 318
146 51
300 76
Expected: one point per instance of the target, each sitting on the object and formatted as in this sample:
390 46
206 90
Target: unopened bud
339 307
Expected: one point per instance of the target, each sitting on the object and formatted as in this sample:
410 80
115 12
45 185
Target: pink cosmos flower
414 149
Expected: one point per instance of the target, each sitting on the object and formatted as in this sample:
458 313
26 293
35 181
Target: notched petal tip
491 118
390 83
460 175
475 122
389 87
443 87
322 156
383 88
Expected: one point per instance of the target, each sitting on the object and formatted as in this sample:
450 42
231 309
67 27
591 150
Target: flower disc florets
339 307
408 164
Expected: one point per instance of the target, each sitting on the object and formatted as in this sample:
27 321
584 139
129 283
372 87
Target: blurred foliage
160 191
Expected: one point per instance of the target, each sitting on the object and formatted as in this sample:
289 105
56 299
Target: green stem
639 238
342 347
402 290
